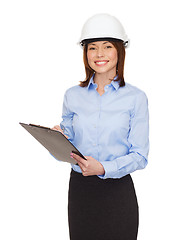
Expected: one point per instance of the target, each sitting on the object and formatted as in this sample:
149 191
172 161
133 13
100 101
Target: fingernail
71 155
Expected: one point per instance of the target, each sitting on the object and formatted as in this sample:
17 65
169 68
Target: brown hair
120 64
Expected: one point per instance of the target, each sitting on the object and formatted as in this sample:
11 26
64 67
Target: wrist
102 170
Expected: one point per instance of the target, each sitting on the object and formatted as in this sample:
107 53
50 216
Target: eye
109 46
91 48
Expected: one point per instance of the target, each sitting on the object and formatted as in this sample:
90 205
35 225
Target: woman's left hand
90 166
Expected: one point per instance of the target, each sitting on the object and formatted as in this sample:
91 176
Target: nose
100 52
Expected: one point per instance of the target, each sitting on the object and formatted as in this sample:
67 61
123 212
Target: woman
107 120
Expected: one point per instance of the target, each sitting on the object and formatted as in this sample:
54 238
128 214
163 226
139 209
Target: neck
103 79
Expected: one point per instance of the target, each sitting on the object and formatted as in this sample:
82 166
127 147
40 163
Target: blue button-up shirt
112 128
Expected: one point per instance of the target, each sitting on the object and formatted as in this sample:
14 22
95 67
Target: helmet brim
109 39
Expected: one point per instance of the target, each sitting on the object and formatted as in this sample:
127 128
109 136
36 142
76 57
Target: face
102 57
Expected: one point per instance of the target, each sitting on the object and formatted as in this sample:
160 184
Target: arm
66 125
67 116
139 143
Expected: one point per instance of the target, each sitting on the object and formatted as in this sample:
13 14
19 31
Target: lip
101 62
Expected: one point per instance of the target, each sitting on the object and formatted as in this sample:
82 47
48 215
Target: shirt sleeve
67 116
138 138
66 124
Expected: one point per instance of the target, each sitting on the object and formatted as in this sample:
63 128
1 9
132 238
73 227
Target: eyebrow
95 44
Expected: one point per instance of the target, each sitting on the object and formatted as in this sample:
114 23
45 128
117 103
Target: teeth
100 63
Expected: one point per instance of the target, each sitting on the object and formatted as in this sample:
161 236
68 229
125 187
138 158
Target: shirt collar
91 82
115 84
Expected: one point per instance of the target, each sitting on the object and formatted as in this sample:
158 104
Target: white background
39 60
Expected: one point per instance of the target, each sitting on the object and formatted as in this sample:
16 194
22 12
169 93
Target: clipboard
54 141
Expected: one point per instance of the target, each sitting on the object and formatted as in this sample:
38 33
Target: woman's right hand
57 128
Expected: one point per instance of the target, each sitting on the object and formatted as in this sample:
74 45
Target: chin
100 70
103 71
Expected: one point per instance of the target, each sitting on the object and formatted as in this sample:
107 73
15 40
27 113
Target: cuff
110 167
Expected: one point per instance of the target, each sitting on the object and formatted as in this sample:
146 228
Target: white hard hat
103 26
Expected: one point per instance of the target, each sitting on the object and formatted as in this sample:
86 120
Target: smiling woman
118 45
102 57
107 120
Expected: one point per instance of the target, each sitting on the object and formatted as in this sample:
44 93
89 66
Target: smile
101 63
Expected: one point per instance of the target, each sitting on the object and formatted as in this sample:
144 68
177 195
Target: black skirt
102 209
